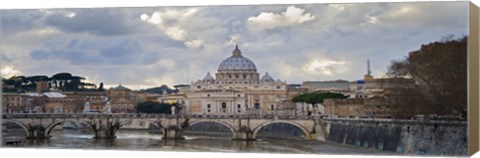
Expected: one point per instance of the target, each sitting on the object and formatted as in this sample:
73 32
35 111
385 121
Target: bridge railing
54 115
144 115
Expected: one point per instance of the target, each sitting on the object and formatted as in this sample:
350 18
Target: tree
74 83
31 82
160 90
315 98
154 107
440 73
60 80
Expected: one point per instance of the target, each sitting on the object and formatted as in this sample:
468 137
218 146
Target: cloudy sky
148 47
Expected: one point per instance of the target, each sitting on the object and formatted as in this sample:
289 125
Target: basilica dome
208 78
267 78
237 63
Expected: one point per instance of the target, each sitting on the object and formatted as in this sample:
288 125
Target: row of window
122 106
18 104
238 95
224 107
11 99
266 87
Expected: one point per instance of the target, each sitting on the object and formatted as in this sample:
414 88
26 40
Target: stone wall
357 107
403 137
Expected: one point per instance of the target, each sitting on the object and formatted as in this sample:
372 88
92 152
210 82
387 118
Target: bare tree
440 73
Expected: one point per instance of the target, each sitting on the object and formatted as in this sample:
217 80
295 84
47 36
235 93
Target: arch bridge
104 126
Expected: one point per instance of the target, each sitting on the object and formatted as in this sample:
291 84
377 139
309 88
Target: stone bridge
104 126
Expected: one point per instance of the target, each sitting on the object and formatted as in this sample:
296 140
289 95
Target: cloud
325 67
4 58
176 33
194 43
292 16
121 48
147 47
8 71
96 52
233 39
16 21
104 22
447 15
167 21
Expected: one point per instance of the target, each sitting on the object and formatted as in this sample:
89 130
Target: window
257 106
238 95
198 87
271 107
208 105
239 106
208 95
224 105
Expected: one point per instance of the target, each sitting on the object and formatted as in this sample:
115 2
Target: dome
237 63
208 78
267 78
120 87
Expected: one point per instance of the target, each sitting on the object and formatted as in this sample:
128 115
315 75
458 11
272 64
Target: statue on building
86 106
173 110
108 108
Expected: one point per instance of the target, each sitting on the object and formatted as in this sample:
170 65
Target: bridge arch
27 132
303 129
154 123
49 128
230 127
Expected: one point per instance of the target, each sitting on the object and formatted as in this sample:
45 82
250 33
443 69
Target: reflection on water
217 142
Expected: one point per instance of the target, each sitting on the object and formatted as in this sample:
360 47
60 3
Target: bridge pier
312 136
36 132
244 134
105 130
173 133
321 130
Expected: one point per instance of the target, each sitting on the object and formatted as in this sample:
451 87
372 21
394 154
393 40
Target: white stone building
236 89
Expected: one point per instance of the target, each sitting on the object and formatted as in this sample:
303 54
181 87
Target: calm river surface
220 142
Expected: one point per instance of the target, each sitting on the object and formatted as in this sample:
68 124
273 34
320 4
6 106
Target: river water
203 142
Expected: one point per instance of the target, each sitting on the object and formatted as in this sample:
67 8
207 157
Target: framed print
379 78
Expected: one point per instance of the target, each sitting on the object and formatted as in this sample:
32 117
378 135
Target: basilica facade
236 89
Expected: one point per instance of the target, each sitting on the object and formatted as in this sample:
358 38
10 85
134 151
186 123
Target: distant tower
368 76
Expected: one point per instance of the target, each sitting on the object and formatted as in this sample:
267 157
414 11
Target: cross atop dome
236 52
